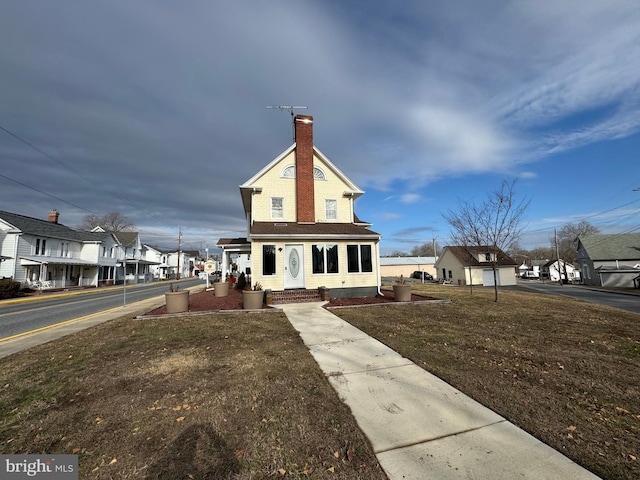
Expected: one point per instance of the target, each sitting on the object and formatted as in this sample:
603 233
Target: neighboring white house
47 254
554 270
302 231
474 265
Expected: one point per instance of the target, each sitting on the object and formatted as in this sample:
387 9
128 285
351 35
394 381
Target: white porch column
225 263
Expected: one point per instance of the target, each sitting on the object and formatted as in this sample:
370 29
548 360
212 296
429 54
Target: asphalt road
631 303
20 316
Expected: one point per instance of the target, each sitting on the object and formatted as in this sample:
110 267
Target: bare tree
567 236
493 224
111 222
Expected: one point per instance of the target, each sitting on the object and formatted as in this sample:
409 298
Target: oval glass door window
294 263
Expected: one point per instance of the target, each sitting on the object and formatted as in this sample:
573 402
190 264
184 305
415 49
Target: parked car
424 276
529 274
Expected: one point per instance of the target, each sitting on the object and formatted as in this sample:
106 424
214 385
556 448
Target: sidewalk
419 426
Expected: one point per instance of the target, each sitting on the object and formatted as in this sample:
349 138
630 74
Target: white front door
293 266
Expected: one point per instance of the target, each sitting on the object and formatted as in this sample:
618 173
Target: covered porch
44 273
230 247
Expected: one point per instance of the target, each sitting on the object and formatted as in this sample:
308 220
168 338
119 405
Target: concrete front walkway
419 426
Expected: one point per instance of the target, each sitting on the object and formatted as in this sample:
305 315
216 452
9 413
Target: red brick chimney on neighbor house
304 169
53 216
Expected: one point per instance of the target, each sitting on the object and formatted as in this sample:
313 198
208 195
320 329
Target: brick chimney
53 216
304 169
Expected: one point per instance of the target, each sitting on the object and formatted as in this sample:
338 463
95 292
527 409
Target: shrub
9 289
242 281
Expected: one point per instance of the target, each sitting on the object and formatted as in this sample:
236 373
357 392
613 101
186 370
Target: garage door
487 277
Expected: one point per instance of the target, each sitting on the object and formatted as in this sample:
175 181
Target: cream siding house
474 266
302 231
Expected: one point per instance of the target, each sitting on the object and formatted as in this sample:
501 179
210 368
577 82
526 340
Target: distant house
474 265
302 230
405 266
609 260
554 270
47 254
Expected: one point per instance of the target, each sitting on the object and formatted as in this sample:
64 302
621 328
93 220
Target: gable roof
467 256
126 239
247 187
45 228
624 246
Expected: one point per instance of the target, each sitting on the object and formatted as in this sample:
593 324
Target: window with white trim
268 260
359 259
324 258
277 207
41 246
330 209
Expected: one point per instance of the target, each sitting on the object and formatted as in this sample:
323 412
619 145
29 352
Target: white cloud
410 198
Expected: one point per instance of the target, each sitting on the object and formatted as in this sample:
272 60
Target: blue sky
157 109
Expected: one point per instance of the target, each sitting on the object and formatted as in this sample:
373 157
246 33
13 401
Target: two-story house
302 230
47 254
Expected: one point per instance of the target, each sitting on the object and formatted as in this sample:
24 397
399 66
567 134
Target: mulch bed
207 301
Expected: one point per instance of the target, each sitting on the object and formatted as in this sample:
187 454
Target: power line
87 179
47 194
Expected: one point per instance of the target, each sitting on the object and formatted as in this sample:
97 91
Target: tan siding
343 279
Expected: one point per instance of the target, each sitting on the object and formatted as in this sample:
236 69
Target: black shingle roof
45 228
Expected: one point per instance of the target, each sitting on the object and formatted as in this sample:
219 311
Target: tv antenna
290 108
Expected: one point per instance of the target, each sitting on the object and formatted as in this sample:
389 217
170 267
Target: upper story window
64 249
41 246
290 172
330 209
277 207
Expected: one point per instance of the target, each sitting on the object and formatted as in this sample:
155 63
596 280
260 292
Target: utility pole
179 252
555 234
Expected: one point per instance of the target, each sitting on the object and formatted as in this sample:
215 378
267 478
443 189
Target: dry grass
566 371
217 396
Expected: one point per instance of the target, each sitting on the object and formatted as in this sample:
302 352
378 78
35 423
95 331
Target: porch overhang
26 261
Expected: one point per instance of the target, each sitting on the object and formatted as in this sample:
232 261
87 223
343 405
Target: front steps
295 296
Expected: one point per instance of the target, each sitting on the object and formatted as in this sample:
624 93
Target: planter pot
177 301
252 299
221 289
402 293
